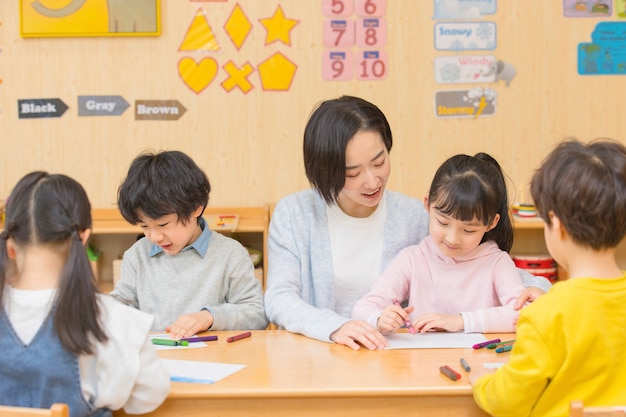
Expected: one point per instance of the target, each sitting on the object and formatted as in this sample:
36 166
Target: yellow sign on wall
62 18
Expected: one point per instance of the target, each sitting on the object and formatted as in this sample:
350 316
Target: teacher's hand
357 333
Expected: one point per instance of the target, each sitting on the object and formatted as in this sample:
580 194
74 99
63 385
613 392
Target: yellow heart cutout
197 75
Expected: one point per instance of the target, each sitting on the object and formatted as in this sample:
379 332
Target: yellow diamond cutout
276 72
237 27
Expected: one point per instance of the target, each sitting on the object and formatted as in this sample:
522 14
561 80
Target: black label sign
40 108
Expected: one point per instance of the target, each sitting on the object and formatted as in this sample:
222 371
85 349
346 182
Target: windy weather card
462 69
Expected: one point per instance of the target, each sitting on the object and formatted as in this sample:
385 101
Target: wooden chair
577 409
56 410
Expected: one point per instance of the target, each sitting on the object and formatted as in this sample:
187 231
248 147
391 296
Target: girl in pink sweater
460 277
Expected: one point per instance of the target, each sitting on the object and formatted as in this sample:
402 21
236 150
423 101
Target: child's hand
392 318
529 295
477 373
189 324
435 321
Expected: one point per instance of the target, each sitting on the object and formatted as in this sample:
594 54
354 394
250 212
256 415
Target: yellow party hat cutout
199 36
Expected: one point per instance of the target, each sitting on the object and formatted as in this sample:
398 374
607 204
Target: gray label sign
101 105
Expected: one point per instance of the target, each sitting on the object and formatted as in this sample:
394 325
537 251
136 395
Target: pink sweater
481 286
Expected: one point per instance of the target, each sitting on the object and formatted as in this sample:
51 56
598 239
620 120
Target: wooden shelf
108 224
527 222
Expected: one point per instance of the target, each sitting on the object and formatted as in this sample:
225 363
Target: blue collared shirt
201 244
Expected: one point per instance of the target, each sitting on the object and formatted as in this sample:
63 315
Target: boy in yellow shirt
571 342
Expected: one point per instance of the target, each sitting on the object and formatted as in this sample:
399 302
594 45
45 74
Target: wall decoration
465 36
38 18
199 36
237 77
367 30
587 8
606 54
278 27
620 9
337 65
197 75
101 105
158 110
237 26
463 9
338 33
465 103
337 8
276 72
38 108
463 69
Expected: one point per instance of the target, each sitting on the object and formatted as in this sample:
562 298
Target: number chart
354 38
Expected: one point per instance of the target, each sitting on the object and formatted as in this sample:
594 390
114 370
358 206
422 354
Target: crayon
407 323
238 337
495 345
449 372
168 342
465 365
502 349
199 339
485 344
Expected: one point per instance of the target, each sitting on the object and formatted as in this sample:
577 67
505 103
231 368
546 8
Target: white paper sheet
199 372
434 340
192 345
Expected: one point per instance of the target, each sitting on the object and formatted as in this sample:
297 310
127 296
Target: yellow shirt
571 345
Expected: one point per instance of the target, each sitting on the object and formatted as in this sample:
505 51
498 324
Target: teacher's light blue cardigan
300 294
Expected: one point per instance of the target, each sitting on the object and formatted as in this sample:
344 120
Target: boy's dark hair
584 185
45 209
327 133
467 187
163 183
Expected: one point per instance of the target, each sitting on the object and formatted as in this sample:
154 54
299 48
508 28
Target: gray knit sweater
167 286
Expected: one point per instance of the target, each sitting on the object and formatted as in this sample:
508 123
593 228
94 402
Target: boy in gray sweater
190 278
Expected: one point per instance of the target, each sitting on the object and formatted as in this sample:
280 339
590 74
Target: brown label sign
158 110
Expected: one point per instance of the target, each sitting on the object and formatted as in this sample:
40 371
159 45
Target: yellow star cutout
278 27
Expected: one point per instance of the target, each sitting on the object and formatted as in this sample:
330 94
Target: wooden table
291 375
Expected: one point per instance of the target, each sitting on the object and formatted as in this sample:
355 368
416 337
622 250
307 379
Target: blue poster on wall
606 53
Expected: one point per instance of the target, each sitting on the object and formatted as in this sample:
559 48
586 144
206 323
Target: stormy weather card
465 103
606 53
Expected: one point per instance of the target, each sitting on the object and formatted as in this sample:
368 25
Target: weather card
587 8
465 103
465 69
465 36
463 9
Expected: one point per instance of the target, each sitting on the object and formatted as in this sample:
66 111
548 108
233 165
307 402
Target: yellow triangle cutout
199 36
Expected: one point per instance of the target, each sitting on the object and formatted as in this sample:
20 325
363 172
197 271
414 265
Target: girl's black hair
52 210
467 187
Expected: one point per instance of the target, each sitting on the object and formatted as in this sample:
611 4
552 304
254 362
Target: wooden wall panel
250 144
